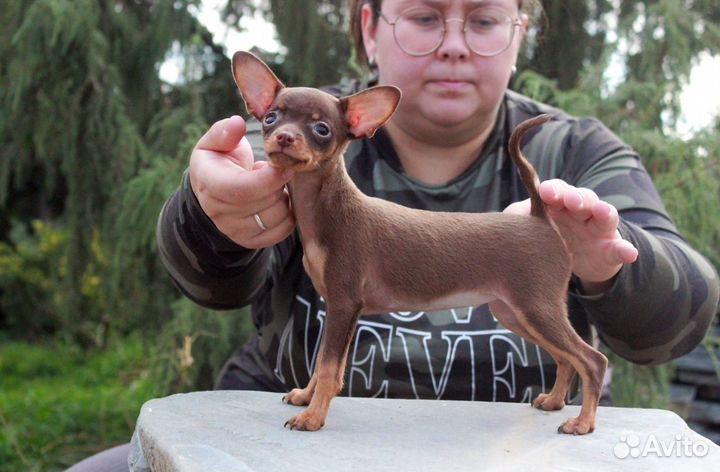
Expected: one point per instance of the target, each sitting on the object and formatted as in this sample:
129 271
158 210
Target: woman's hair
531 8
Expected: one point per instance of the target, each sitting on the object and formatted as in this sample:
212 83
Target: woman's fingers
232 188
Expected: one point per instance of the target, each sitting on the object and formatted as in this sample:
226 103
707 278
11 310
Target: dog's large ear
368 110
257 83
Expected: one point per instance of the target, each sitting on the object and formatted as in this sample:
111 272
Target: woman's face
451 87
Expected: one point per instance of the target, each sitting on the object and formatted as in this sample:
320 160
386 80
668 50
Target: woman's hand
232 188
589 227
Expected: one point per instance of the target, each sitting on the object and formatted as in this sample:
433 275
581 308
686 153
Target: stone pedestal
243 431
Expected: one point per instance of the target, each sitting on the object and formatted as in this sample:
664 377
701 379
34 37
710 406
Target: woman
227 236
228 239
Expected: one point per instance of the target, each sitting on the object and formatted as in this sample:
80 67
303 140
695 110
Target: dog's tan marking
314 261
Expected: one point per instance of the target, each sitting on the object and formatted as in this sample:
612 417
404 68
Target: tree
572 35
313 32
83 110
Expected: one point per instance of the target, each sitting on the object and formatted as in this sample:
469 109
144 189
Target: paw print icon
629 446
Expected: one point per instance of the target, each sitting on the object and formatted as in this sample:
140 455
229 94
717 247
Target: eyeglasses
420 31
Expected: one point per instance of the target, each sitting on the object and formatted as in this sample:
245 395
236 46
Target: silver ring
260 222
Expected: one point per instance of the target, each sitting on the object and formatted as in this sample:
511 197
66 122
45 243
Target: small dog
354 244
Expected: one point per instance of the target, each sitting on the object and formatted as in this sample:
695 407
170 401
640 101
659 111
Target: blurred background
101 102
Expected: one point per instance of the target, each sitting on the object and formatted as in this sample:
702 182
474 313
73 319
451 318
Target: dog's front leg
327 380
302 396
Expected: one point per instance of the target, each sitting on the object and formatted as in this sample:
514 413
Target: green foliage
28 268
82 88
711 344
656 40
640 386
59 404
136 281
688 179
579 24
32 267
195 344
313 31
665 37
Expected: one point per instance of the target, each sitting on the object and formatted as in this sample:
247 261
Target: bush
30 268
193 347
34 284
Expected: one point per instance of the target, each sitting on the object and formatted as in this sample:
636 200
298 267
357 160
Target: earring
513 70
371 62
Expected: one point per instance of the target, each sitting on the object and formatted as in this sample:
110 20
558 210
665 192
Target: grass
59 405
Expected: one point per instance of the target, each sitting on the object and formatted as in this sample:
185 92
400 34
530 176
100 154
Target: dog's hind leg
547 322
555 399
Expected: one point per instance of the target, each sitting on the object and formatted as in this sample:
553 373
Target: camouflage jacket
657 309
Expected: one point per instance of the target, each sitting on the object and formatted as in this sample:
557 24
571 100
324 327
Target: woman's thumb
224 135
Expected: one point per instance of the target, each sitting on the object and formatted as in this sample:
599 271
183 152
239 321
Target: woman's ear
368 30
525 23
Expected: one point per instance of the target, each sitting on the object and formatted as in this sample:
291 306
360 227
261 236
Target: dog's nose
285 138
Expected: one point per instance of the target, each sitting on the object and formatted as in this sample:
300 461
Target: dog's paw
576 426
304 422
546 402
298 397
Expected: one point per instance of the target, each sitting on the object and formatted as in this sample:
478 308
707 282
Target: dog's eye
270 118
321 129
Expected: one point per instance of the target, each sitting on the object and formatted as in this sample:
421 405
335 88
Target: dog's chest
314 260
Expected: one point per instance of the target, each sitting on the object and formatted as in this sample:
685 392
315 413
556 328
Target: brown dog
353 244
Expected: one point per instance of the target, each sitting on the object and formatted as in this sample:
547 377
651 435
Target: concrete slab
243 431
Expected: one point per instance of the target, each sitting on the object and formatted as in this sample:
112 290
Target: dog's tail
525 169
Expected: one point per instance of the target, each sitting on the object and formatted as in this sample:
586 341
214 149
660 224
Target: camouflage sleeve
660 307
208 267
